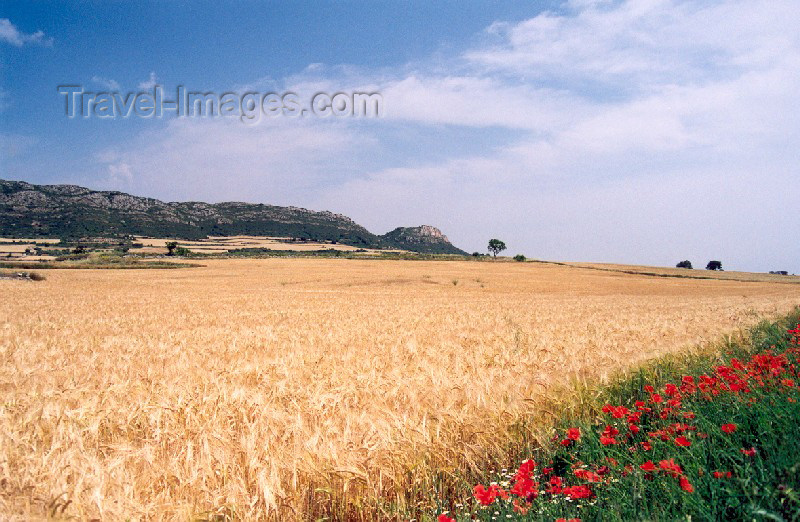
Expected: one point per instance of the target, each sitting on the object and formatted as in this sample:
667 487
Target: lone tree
714 265
171 246
496 246
684 264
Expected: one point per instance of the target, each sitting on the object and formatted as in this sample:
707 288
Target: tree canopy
496 246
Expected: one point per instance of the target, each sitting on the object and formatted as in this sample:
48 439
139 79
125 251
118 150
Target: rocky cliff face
28 210
424 238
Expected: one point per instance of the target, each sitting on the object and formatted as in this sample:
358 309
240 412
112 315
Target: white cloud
10 34
222 160
119 174
639 44
106 83
150 82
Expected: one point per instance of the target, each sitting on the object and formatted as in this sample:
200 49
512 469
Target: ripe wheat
263 388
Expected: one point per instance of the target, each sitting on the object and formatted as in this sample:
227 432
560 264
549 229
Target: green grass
764 486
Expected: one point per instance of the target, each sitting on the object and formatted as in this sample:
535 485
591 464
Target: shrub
714 265
519 257
684 264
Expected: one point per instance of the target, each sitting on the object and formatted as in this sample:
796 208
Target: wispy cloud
213 160
106 83
150 82
9 33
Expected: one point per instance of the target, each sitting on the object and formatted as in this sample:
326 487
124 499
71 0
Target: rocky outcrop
424 238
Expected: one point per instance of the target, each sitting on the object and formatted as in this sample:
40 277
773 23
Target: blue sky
642 131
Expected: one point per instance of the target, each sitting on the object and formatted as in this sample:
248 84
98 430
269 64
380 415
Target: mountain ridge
72 211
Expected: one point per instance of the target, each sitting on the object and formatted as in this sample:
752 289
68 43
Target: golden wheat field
260 388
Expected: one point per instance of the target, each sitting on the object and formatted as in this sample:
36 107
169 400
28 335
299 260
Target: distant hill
69 211
424 238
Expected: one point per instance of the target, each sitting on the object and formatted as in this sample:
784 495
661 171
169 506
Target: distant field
38 240
15 248
269 385
220 244
696 273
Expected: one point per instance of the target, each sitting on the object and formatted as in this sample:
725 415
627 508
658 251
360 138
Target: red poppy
683 441
648 466
729 428
749 452
610 431
445 518
634 428
486 496
647 446
589 476
574 433
525 488
525 470
686 485
606 441
670 467
619 412
576 492
674 403
555 486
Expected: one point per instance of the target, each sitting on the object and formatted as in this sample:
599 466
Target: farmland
262 386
